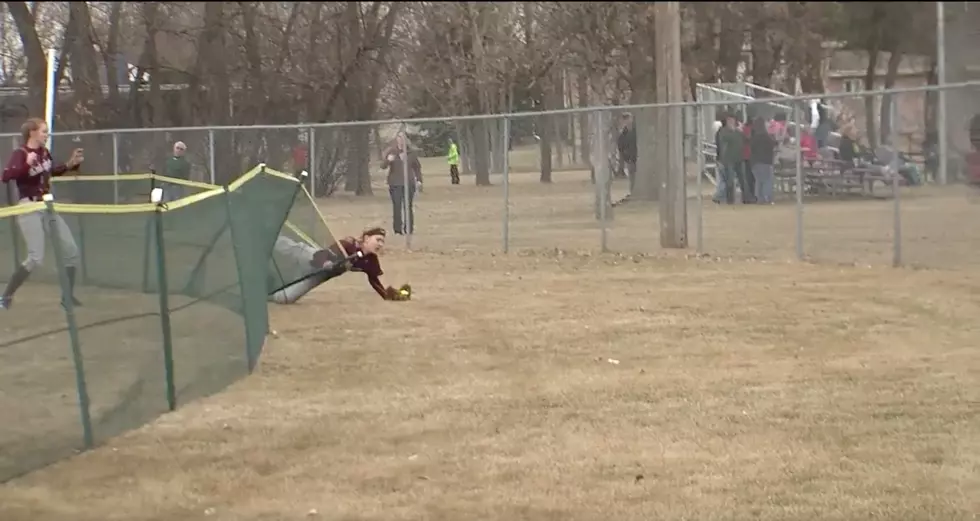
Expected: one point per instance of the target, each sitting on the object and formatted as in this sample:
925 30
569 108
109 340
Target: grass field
560 383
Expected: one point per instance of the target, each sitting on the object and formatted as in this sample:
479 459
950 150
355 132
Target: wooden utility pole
670 130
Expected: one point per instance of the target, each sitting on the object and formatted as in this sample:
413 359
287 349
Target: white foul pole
49 94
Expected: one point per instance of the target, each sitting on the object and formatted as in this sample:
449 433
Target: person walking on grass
397 158
730 155
626 145
31 168
747 179
453 162
762 146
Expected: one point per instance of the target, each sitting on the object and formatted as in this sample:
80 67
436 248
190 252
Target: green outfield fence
173 305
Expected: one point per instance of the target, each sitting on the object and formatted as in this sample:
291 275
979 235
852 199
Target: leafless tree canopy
167 64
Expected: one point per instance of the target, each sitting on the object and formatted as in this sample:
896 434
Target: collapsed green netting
174 304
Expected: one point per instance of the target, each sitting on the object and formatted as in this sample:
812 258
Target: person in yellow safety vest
453 162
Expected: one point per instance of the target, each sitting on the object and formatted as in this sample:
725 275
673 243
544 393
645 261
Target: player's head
179 148
34 131
373 240
400 140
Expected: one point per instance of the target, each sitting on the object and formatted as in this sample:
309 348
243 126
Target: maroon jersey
33 180
369 264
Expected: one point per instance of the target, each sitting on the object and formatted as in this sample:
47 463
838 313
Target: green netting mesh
173 308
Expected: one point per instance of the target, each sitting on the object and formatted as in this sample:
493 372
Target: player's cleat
5 302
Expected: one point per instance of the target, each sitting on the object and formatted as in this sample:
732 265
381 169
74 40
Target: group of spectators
747 153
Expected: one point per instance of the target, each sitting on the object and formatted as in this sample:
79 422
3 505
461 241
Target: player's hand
31 158
77 157
399 295
391 157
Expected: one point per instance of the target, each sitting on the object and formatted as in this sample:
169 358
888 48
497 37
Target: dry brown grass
744 389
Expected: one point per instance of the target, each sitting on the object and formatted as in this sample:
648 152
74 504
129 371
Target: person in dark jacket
762 148
397 158
626 143
746 178
730 142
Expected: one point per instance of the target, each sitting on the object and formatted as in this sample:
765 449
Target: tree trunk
646 185
545 130
887 125
730 36
34 52
583 120
466 147
481 151
212 67
359 160
764 56
110 58
257 98
89 106
931 109
869 101
558 121
570 120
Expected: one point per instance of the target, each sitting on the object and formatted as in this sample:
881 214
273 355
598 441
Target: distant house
845 71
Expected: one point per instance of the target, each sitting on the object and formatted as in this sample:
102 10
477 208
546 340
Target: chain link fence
562 180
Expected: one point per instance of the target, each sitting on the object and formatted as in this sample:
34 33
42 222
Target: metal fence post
115 167
699 150
211 154
68 304
798 121
163 293
897 232
311 159
942 139
506 171
603 178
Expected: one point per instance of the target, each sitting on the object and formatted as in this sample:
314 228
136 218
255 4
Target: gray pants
300 254
764 179
293 292
34 227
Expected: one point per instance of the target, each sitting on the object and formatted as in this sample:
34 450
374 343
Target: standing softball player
31 168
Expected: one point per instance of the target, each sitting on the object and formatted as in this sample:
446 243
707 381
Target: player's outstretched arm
74 162
378 286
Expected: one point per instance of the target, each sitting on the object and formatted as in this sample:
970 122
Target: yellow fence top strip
101 177
244 178
103 209
131 177
319 214
299 233
20 209
212 191
193 199
184 182
281 175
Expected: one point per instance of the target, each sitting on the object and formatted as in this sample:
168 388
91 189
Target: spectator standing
747 177
399 156
177 167
626 144
453 162
730 143
763 150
